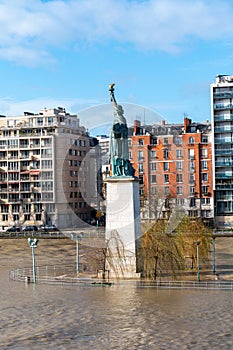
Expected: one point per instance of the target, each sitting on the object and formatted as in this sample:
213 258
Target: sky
161 54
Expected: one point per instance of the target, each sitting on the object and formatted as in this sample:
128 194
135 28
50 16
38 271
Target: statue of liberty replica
123 225
119 152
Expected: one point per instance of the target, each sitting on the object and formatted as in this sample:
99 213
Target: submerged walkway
66 275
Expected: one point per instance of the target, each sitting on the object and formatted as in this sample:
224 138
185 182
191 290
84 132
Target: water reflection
124 316
117 317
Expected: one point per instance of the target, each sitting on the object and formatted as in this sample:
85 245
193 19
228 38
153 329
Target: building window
192 213
153 154
141 192
204 190
192 202
179 177
141 181
206 213
179 190
204 165
191 190
40 121
191 178
165 153
153 166
191 166
165 166
205 200
130 155
154 141
204 152
204 177
166 178
191 153
27 217
179 153
178 165
140 155
177 140
141 142
180 201
50 120
204 138
166 191
46 164
5 217
191 140
153 189
140 167
165 140
153 178
38 217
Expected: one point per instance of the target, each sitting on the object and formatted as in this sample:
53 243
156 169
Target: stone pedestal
123 226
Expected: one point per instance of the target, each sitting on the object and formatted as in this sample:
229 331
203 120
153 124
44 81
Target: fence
210 285
66 275
51 274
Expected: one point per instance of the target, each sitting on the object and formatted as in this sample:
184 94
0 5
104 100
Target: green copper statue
119 152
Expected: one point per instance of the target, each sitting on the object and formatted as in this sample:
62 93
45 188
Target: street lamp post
213 256
198 261
77 237
33 244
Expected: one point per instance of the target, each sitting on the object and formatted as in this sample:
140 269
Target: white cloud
92 115
33 28
10 107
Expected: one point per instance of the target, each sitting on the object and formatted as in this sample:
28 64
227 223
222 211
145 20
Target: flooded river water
122 316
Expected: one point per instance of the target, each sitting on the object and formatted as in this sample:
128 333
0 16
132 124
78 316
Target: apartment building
44 170
174 166
222 124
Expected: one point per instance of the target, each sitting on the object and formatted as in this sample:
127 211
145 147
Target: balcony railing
223 175
224 187
223 129
224 164
223 151
223 140
223 94
224 117
226 198
223 106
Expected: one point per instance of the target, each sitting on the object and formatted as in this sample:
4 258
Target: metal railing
50 274
66 274
210 285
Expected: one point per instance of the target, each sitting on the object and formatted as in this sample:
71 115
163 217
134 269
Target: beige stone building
44 170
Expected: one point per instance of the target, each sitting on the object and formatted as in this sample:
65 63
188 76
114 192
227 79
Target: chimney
163 122
136 125
187 122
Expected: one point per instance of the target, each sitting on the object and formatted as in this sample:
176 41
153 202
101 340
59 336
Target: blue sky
162 55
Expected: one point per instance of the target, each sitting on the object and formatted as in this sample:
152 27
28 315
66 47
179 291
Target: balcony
223 151
224 117
223 94
224 129
224 164
223 140
222 106
223 187
224 175
225 198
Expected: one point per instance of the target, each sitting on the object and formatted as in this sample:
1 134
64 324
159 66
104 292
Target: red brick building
174 165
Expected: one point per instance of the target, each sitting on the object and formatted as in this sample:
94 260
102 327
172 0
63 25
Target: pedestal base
123 226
